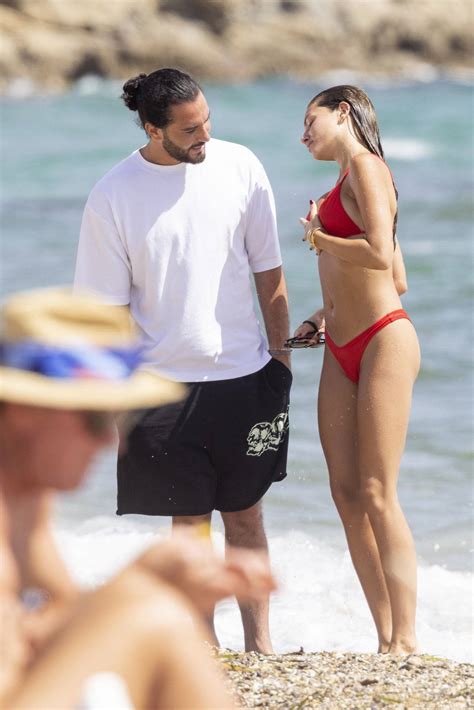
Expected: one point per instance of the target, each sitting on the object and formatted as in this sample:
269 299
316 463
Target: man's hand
190 564
282 357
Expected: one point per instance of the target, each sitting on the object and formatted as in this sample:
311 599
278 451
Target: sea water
54 148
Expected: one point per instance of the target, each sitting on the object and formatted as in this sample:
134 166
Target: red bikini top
334 217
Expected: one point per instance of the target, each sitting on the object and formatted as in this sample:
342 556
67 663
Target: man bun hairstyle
130 91
153 95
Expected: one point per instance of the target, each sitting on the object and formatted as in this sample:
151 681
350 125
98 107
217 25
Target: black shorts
221 448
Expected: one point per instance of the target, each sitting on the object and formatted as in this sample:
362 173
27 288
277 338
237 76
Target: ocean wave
420 247
319 605
93 85
23 87
407 149
421 73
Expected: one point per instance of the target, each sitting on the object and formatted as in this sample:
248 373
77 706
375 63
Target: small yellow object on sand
203 530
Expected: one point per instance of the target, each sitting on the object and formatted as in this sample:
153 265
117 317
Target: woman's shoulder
367 160
367 166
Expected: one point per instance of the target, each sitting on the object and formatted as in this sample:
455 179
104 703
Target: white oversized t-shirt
178 243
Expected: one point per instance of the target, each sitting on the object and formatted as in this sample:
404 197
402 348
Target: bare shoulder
369 171
368 164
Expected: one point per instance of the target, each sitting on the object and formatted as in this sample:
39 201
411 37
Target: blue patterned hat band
70 362
72 351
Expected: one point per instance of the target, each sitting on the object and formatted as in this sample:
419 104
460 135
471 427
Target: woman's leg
142 631
389 368
337 410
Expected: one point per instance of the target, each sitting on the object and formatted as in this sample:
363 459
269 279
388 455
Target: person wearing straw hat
67 364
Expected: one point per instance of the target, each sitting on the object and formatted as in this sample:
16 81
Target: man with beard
174 231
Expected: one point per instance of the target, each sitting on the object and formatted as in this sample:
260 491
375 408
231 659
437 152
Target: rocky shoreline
49 44
348 681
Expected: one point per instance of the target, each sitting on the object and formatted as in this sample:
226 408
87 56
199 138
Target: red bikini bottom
349 356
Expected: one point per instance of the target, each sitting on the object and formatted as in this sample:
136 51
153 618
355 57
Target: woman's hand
311 225
306 330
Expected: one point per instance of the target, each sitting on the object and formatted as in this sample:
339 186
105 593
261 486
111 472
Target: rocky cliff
51 43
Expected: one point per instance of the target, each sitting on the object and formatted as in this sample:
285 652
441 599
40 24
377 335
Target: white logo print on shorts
267 435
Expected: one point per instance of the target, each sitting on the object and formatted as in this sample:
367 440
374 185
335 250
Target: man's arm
273 299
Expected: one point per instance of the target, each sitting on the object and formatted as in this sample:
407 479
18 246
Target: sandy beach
427 128
348 681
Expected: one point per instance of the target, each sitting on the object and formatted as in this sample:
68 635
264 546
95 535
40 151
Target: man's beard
180 154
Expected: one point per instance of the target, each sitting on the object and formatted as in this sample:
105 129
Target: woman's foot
403 648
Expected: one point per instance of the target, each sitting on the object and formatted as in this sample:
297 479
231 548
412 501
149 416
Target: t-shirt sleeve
261 238
102 264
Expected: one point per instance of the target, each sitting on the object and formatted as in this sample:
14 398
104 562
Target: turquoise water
55 148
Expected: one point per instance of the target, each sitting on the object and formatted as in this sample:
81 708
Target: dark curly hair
152 95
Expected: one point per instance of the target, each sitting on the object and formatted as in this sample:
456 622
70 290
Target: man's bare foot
259 646
384 647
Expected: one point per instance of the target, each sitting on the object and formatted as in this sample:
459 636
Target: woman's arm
305 330
373 250
398 271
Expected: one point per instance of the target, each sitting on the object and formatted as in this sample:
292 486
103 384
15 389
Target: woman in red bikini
371 358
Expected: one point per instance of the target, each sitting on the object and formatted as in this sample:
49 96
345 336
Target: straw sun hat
69 351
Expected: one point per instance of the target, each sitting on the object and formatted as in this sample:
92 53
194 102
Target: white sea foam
420 73
407 148
319 605
420 248
93 85
21 88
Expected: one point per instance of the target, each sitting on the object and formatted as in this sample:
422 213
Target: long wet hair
364 121
153 95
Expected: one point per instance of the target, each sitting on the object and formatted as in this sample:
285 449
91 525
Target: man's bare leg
245 529
196 520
